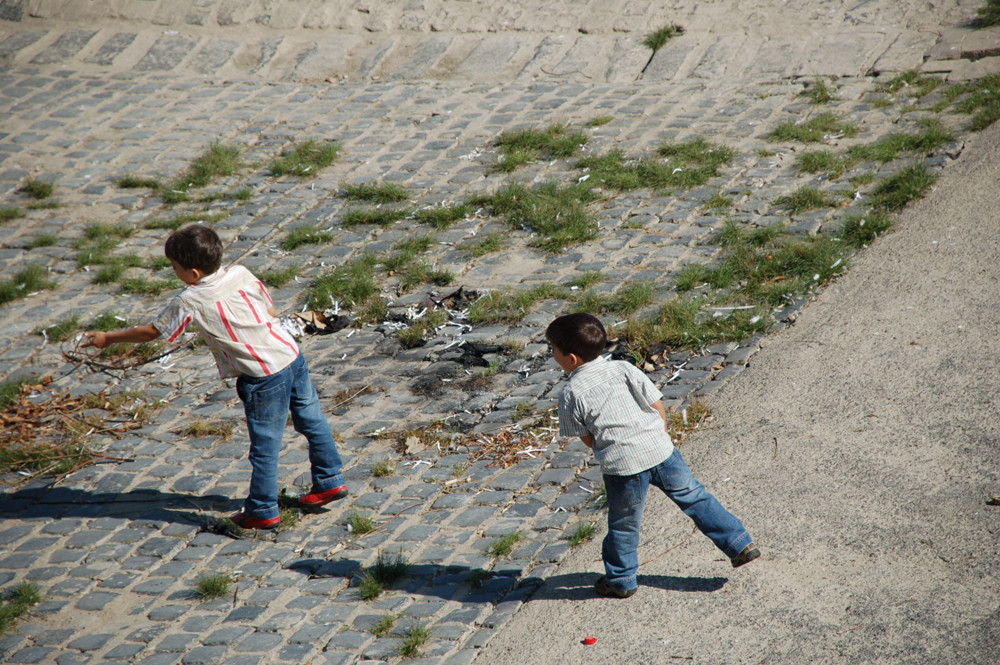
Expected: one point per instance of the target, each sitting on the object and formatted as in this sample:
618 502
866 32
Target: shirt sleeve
173 320
569 424
641 386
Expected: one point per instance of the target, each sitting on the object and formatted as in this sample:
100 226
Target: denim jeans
267 401
627 499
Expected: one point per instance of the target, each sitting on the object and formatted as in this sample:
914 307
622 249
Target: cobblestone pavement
117 547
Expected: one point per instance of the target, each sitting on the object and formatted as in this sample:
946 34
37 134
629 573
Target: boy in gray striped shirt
617 412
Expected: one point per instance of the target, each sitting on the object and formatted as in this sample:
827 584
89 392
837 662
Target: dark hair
580 334
195 246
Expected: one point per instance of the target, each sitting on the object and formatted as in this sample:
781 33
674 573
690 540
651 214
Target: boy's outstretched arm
137 335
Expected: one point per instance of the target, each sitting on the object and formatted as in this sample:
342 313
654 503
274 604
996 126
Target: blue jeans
267 401
627 499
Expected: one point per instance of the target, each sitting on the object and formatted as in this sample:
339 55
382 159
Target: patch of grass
931 136
305 159
983 101
633 296
587 279
214 585
11 389
37 189
137 182
387 569
108 321
240 194
502 547
352 284
860 230
821 160
599 121
42 240
719 201
384 625
527 145
804 198
680 323
383 469
896 191
29 280
177 221
99 231
917 84
511 306
818 92
61 330
378 216
581 534
520 410
817 129
305 235
413 638
687 419
201 427
361 524
989 14
216 161
16 602
658 38
442 217
10 213
865 178
478 577
376 192
488 244
279 277
142 286
686 165
44 205
157 263
558 215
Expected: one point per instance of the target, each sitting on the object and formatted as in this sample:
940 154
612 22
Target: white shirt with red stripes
229 307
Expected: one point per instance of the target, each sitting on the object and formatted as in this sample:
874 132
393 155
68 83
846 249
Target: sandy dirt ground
859 449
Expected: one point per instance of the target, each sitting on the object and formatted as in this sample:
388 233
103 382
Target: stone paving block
31 655
204 655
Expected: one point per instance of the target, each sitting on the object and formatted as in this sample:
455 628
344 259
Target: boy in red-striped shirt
236 318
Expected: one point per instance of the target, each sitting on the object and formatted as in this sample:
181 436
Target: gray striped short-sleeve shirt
612 401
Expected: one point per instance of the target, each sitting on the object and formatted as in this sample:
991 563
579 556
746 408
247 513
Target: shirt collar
590 366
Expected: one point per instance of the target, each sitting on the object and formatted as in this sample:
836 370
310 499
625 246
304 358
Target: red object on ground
590 639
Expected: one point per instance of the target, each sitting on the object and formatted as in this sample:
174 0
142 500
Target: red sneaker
317 499
244 521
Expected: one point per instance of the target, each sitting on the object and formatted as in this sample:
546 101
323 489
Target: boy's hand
97 339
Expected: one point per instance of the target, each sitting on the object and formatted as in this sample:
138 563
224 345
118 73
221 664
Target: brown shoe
748 554
602 587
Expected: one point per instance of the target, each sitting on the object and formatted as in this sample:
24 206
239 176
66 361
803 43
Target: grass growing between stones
982 100
384 625
376 192
387 569
599 121
896 191
682 421
279 277
16 602
377 216
805 198
818 92
177 221
31 279
558 216
305 235
137 182
502 547
42 240
860 230
488 244
658 38
360 524
305 159
989 14
817 129
37 189
583 532
61 330
413 638
214 585
683 165
383 469
216 161
916 84
10 213
201 427
442 217
527 145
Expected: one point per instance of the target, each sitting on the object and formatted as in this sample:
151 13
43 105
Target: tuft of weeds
817 129
931 136
142 286
917 84
37 189
360 524
442 217
822 161
600 497
989 14
383 469
384 625
376 215
686 165
10 213
42 240
581 534
214 585
629 299
61 330
527 145
216 161
982 100
351 284
240 194
896 191
860 230
502 547
138 182
818 92
520 410
201 427
587 279
478 577
31 279
279 277
688 419
658 38
488 244
804 198
305 159
511 306
177 221
157 263
387 569
376 192
305 235
599 121
413 638
16 602
44 205
558 215
719 201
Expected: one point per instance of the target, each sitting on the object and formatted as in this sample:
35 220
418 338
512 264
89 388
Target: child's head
195 247
579 334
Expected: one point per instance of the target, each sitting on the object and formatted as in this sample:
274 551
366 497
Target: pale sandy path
878 546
